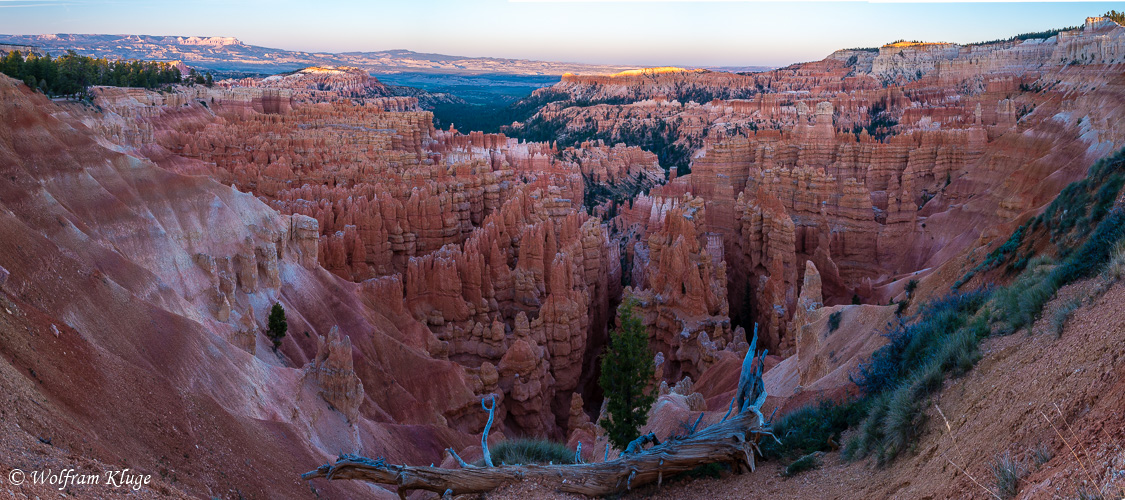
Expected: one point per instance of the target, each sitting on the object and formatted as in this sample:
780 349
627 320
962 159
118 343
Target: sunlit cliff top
904 43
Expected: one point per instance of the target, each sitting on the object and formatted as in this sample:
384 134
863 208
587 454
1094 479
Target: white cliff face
910 61
1099 41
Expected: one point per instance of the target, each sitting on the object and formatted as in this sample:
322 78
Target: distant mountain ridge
231 54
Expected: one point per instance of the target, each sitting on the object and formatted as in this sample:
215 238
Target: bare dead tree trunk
732 441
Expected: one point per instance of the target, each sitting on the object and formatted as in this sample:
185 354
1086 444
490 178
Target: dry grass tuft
1007 472
1115 269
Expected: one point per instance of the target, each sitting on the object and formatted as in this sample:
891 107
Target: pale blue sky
622 32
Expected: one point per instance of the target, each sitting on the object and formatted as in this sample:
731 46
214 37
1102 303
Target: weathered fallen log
733 441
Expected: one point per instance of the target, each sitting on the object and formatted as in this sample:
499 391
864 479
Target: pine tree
626 369
277 325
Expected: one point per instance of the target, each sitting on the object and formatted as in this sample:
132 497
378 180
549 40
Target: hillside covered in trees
71 73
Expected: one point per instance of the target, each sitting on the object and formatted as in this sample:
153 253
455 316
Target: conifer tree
627 368
277 325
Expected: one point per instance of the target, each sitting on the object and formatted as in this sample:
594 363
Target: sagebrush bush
805 463
1084 203
812 428
530 451
1095 251
902 421
911 345
1058 321
1020 304
1040 261
1115 269
961 351
943 340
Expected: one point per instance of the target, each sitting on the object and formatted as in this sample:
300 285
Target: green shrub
1095 251
1020 304
960 351
902 374
530 451
859 446
1072 216
912 346
812 428
834 321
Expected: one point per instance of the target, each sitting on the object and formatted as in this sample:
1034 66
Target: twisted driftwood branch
733 441
751 393
487 427
637 445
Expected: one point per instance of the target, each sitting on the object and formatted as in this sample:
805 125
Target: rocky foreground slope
423 270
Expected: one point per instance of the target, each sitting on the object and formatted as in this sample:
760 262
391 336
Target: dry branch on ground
733 441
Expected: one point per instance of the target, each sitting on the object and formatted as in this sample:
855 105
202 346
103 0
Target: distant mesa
318 70
655 71
231 54
212 41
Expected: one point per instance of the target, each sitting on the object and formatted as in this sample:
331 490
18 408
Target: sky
626 32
